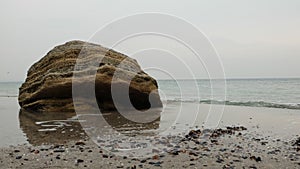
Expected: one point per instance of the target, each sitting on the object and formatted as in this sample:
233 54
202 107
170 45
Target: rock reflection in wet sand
59 128
50 128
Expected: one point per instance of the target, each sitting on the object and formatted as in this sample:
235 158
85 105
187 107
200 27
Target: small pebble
155 157
80 161
81 143
59 150
18 157
143 161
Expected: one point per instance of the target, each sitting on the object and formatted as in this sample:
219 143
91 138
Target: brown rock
49 82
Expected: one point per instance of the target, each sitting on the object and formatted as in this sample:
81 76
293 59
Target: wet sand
10 131
226 149
268 142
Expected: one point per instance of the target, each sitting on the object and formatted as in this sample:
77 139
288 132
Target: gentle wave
234 103
247 103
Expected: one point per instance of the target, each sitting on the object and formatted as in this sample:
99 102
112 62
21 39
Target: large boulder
48 86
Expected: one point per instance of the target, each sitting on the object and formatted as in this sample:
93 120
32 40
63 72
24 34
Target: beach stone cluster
236 147
296 144
48 86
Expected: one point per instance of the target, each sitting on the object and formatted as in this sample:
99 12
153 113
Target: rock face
48 86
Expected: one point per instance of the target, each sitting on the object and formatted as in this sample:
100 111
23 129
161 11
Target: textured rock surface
48 86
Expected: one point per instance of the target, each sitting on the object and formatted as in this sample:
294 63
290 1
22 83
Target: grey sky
255 38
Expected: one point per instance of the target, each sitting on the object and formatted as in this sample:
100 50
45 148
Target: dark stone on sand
49 83
264 143
16 151
257 139
143 161
174 152
257 159
80 161
18 157
219 160
194 134
59 150
81 143
157 164
214 141
296 142
193 153
244 157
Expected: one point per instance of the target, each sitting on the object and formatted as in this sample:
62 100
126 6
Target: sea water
275 93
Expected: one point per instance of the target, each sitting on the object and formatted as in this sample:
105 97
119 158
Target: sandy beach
239 150
261 143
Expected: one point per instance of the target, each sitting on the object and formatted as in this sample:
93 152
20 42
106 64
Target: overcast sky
255 38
